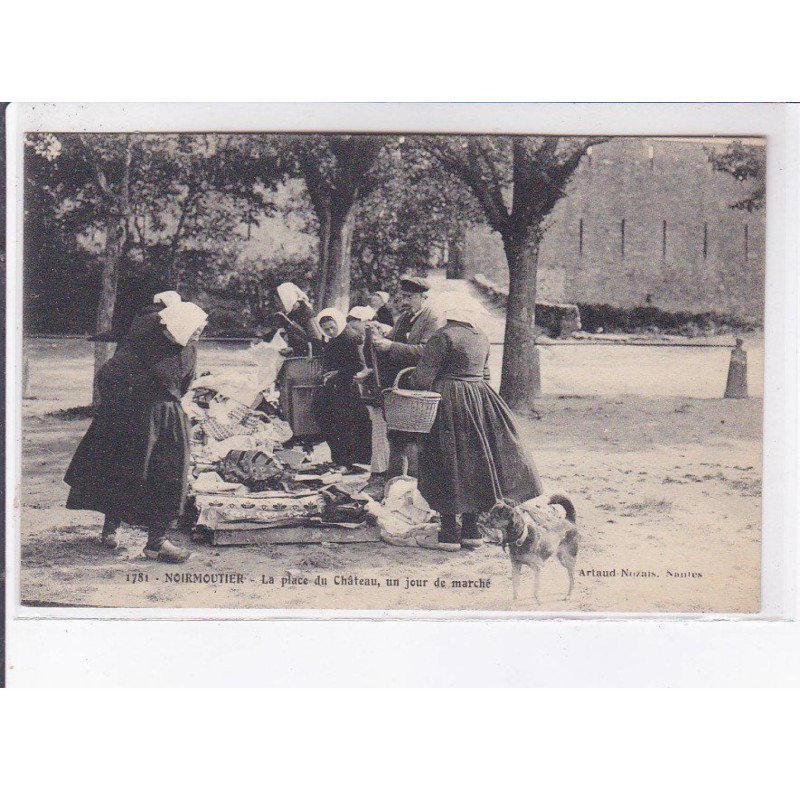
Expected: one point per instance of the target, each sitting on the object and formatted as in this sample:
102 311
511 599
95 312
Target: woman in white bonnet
473 456
133 463
379 301
298 318
337 408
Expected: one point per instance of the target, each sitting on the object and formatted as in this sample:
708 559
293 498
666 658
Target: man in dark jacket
402 348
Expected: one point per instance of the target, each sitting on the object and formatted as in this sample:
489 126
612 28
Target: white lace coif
364 313
336 315
289 294
181 321
460 308
167 298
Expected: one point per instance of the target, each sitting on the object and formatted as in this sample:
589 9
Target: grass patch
649 506
67 414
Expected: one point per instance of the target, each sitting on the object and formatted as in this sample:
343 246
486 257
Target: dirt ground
667 488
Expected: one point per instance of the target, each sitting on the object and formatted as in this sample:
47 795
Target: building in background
646 221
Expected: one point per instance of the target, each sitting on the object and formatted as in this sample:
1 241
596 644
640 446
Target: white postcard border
777 122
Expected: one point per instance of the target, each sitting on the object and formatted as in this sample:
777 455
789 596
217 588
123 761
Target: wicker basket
298 371
407 410
302 420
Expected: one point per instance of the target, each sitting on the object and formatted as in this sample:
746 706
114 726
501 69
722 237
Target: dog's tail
566 504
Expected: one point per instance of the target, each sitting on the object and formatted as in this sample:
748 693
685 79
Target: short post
736 388
26 372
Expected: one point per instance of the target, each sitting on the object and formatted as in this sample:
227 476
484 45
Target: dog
533 533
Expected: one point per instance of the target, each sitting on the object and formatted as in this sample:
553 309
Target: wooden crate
261 535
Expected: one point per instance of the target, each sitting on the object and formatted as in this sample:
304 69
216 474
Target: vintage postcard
394 370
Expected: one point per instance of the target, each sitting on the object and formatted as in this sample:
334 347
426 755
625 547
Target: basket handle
402 372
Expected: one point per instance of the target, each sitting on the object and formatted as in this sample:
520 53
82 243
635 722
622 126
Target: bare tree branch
570 162
470 175
141 235
99 176
494 188
187 207
314 180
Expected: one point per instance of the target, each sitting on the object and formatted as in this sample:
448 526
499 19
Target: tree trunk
455 249
521 379
336 234
458 247
325 222
115 242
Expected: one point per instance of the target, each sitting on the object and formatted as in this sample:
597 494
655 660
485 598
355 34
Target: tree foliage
379 205
747 163
410 220
340 171
188 199
516 180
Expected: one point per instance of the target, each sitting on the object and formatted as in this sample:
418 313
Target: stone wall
682 244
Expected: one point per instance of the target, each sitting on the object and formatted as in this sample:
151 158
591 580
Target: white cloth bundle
267 355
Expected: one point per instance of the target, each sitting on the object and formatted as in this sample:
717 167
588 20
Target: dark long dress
473 456
133 462
306 333
338 409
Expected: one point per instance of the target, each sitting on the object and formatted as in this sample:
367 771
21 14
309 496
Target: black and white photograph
394 370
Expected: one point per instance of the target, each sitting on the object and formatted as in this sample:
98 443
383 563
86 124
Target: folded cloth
346 512
202 395
253 468
215 510
268 357
235 385
403 515
279 430
412 537
218 431
267 402
405 500
198 437
293 457
211 483
343 506
253 424
320 454
228 411
217 450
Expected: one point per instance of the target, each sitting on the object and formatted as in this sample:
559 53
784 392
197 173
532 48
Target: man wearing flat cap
402 348
418 322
